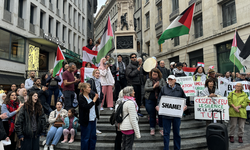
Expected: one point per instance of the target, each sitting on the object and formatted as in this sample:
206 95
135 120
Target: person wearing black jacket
31 124
90 44
178 72
53 87
165 72
3 135
171 89
88 112
43 94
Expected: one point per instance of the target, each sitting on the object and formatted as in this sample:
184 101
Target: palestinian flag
106 41
86 74
245 53
189 71
60 75
180 26
237 46
89 56
58 61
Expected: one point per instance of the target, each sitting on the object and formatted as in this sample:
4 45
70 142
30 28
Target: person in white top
107 82
29 82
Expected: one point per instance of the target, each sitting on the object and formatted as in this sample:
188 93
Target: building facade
91 9
138 24
211 33
31 30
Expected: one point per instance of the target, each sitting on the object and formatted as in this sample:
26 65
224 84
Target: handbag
53 82
58 124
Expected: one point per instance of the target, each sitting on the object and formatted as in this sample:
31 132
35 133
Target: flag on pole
180 26
237 46
60 76
58 61
245 54
89 56
200 64
189 71
86 74
106 41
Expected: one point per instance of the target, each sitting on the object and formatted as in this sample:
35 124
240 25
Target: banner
86 74
189 71
203 107
187 84
199 86
171 106
33 59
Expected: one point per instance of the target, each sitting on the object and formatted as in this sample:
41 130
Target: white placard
187 84
171 106
203 107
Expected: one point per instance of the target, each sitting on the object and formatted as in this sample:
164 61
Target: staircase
192 135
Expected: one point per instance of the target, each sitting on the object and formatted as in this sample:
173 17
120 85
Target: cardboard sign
171 106
187 84
203 107
199 86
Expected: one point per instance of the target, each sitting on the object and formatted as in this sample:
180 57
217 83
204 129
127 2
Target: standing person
11 108
210 89
107 82
70 126
237 76
242 77
184 64
165 72
13 88
178 72
172 66
3 135
43 94
88 112
171 89
53 88
199 74
66 66
88 65
228 77
96 88
29 130
29 82
119 72
68 86
23 95
55 132
133 77
152 89
211 74
237 101
90 44
22 85
129 126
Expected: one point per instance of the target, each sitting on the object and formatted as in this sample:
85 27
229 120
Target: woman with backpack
96 88
129 126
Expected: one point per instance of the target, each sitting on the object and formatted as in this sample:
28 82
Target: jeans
56 133
137 89
88 136
30 143
150 107
68 99
56 93
128 141
176 130
118 139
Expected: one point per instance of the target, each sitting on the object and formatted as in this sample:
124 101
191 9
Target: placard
187 84
203 107
199 86
171 106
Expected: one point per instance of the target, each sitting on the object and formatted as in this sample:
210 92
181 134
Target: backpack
117 116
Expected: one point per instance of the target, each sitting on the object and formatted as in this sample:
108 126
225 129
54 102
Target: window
32 8
195 57
57 3
89 24
147 21
223 53
69 37
138 24
148 46
174 59
4 44
7 5
229 14
175 5
20 9
147 1
57 29
159 10
63 34
176 41
198 27
50 25
41 19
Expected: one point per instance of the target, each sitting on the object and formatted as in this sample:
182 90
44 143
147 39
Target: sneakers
152 132
51 147
161 132
240 140
45 147
101 109
111 108
98 132
231 139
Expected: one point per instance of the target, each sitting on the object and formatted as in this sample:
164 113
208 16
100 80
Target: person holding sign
199 74
152 89
210 89
238 101
171 89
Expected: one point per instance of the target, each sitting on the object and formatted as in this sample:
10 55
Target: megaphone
111 61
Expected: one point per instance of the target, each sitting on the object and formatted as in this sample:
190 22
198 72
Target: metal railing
7 15
32 28
41 31
42 2
51 6
20 22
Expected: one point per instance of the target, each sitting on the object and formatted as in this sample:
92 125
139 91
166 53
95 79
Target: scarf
156 90
126 98
176 71
13 106
97 86
211 90
202 75
101 67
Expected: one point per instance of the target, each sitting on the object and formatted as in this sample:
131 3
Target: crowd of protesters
40 107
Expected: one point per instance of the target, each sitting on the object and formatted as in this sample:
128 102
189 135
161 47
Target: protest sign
223 86
187 84
199 86
171 106
203 107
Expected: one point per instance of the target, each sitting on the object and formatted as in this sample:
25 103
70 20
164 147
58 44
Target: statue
123 21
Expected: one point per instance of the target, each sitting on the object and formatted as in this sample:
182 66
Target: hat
211 71
171 77
172 63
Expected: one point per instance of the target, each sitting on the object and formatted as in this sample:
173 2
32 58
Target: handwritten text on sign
187 84
204 105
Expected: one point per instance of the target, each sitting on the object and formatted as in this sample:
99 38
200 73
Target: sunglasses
133 57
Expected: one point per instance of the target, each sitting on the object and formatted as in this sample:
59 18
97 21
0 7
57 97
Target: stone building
211 33
31 30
